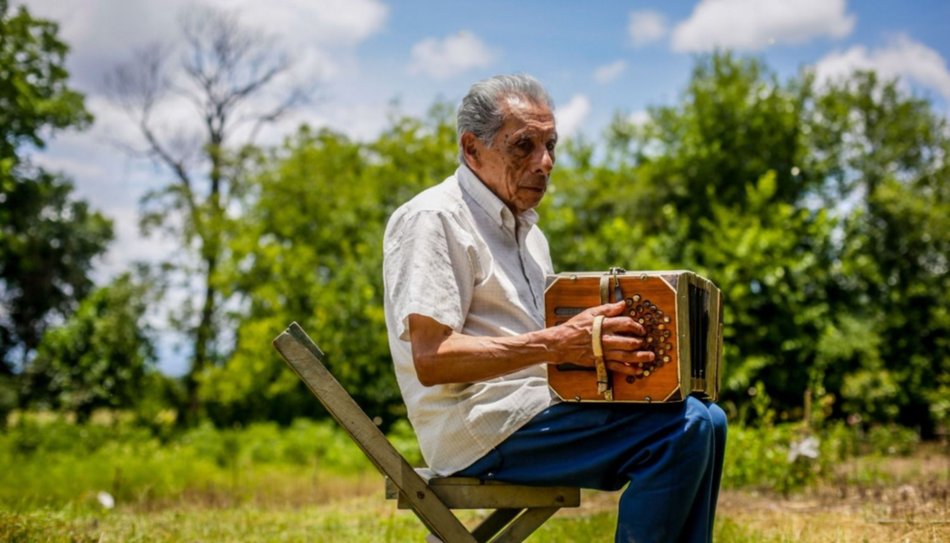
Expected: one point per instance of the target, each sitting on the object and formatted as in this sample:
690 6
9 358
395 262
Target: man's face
517 165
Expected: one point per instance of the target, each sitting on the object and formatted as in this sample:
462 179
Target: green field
308 482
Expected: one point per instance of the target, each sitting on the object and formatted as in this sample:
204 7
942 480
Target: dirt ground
909 502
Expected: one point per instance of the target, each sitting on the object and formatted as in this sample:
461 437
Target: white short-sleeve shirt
457 254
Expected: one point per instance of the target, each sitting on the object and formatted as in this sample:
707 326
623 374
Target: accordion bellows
681 313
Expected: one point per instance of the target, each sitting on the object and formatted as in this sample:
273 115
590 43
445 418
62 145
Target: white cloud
450 56
321 36
572 115
639 118
901 58
609 72
338 22
346 22
646 26
755 24
130 245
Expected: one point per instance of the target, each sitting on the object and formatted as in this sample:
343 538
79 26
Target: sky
365 58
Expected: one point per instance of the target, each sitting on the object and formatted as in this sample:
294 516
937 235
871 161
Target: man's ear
470 149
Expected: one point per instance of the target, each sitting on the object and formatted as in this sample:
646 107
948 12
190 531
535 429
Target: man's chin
530 199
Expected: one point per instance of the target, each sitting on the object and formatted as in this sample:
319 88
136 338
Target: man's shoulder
442 200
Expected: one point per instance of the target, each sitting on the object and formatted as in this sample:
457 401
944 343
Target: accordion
681 313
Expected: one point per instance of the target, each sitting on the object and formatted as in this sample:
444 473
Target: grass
909 505
309 483
367 518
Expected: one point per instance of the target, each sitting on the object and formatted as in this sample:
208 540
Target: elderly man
464 269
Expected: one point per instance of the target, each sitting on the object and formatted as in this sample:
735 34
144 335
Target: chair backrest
308 362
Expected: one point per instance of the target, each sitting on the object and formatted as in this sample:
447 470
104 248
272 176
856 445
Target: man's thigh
598 445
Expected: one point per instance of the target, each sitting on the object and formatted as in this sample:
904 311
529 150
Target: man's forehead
522 113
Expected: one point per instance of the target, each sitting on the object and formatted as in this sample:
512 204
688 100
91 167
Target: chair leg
493 523
525 525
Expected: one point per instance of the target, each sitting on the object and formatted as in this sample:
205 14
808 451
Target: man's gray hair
481 111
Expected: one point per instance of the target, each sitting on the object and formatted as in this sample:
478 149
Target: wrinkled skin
518 163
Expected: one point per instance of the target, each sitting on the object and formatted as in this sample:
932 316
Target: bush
46 460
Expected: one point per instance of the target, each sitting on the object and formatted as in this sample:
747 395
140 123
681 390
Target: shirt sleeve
427 270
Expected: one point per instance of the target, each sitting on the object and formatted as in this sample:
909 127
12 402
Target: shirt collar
492 204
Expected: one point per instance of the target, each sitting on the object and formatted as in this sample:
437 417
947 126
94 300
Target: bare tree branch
223 69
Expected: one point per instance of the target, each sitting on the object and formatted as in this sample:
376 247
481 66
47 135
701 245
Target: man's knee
699 427
718 418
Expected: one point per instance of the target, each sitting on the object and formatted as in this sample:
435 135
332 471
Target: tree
310 250
894 275
101 355
819 210
223 68
710 184
48 239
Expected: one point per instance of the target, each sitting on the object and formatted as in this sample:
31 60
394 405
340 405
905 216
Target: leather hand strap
603 378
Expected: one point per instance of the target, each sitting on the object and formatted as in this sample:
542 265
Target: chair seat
472 493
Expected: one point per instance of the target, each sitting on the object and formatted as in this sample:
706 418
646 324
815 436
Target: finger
622 343
624 325
630 357
609 310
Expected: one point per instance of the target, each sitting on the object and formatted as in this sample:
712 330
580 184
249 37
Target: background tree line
820 209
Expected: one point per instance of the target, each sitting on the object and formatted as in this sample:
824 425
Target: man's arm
442 355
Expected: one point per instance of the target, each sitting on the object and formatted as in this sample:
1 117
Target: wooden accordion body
681 312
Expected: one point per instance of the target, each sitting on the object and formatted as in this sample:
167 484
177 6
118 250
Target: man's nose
546 161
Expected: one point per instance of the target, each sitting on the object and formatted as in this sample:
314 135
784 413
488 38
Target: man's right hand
621 338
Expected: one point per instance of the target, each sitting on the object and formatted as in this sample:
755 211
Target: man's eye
525 146
551 145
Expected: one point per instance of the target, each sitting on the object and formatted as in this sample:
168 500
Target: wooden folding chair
518 510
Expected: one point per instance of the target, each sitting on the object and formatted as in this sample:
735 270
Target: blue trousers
670 454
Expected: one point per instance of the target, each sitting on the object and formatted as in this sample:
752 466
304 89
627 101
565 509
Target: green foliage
224 67
790 457
100 356
893 269
34 96
821 213
48 238
56 463
311 252
47 462
46 251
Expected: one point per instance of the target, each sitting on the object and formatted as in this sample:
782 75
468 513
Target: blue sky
596 58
